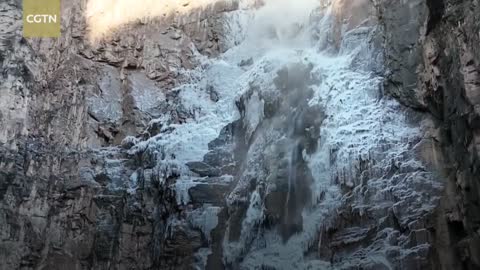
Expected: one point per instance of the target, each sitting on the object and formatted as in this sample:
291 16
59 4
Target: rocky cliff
441 72
433 64
69 110
339 135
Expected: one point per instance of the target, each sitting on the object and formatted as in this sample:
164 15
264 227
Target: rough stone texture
403 23
70 196
73 197
271 166
434 62
451 85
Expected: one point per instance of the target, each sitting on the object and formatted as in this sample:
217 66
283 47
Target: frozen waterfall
320 138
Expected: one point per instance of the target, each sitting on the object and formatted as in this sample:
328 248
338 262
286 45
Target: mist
105 16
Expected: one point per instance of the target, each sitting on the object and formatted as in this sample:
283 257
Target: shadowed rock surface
90 177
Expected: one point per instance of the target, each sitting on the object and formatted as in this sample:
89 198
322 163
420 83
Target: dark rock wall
66 206
403 24
451 84
65 107
433 57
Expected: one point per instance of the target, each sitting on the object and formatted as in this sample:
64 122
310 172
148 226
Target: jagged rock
203 169
221 158
129 141
213 94
349 236
88 182
451 99
404 26
209 193
226 137
67 202
247 62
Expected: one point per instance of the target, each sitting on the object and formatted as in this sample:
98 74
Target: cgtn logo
41 18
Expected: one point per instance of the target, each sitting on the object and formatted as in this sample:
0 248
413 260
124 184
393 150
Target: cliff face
451 84
106 163
434 67
65 107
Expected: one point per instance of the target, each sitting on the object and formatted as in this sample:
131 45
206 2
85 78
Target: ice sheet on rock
235 25
201 258
204 218
106 105
253 218
189 141
253 113
360 126
146 94
133 183
182 185
114 171
272 252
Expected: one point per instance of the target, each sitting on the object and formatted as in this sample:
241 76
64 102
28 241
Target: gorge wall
169 145
66 106
434 68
